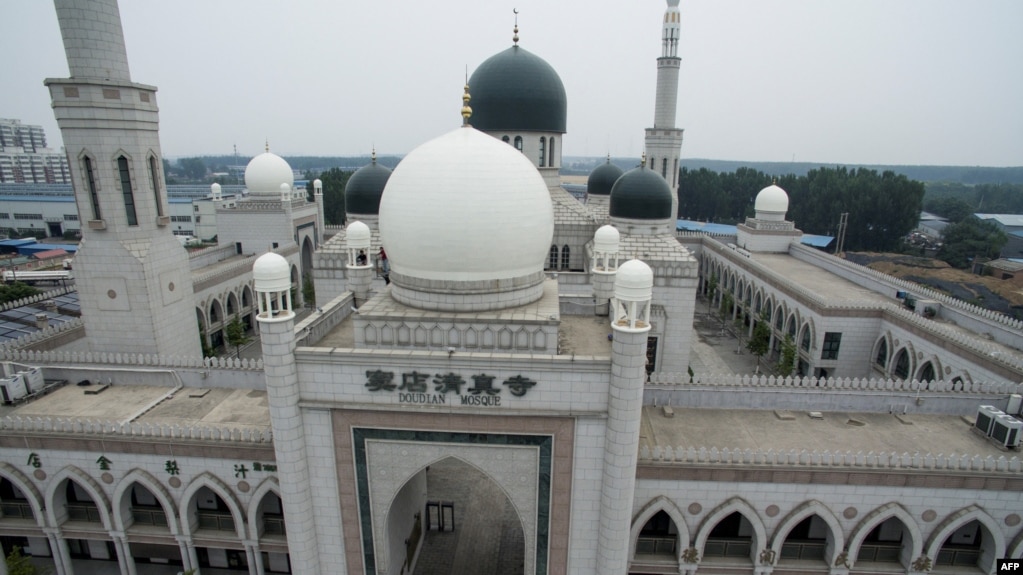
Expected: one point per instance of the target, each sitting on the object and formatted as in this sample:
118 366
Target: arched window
901 370
126 191
154 177
550 154
90 180
543 152
882 353
518 143
552 259
564 257
674 174
926 372
651 163
805 343
506 139
664 168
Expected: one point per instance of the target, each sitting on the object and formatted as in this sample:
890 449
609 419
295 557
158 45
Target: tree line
882 207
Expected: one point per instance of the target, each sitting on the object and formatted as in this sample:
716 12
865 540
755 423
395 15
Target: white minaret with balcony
359 270
318 197
664 140
132 275
272 277
604 266
630 322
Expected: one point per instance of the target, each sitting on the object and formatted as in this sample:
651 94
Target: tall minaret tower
132 274
664 140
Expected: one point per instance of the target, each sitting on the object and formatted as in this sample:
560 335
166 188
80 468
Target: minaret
630 325
320 227
359 271
604 266
664 140
132 275
272 277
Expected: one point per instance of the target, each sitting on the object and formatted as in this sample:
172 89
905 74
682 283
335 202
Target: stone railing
922 292
260 206
204 280
324 320
36 298
831 384
41 335
837 459
131 359
692 234
211 255
47 425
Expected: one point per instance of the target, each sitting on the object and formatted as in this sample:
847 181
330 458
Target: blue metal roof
60 199
16 243
816 241
705 227
37 247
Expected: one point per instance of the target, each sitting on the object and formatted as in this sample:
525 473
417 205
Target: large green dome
641 194
517 91
364 188
602 179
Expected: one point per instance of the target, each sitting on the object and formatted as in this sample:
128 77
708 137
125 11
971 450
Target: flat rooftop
229 408
816 280
835 432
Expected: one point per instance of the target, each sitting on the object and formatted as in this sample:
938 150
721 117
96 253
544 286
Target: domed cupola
771 204
364 188
603 178
466 221
518 91
265 174
641 194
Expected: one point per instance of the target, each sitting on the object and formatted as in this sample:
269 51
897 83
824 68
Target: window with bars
832 341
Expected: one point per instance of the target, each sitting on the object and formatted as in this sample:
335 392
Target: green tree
18 564
761 338
193 168
787 363
956 209
308 290
236 335
968 239
16 291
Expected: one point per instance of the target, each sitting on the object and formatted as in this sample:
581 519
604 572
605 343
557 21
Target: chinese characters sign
447 388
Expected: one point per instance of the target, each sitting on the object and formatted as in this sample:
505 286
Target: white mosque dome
466 214
357 235
634 282
265 174
606 239
271 273
773 200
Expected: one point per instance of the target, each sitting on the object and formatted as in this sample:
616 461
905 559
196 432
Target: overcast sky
831 81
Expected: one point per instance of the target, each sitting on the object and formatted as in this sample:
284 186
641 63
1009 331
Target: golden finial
643 164
609 157
466 110
267 148
774 181
374 155
515 36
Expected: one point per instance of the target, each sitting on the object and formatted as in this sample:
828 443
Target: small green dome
641 194
364 188
602 179
517 91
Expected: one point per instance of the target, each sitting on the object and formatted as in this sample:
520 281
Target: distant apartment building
25 159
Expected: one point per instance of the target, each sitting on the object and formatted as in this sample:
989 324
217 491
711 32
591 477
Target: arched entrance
453 518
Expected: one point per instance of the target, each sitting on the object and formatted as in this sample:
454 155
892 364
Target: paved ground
716 350
487 537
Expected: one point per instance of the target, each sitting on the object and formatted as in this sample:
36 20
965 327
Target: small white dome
470 212
606 239
271 273
634 282
357 235
318 185
265 174
215 187
772 199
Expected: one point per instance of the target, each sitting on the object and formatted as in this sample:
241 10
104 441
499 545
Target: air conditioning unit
1015 406
1007 431
986 415
13 388
34 378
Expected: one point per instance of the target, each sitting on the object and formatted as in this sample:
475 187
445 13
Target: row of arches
555 262
735 533
140 507
215 314
124 170
900 360
546 156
